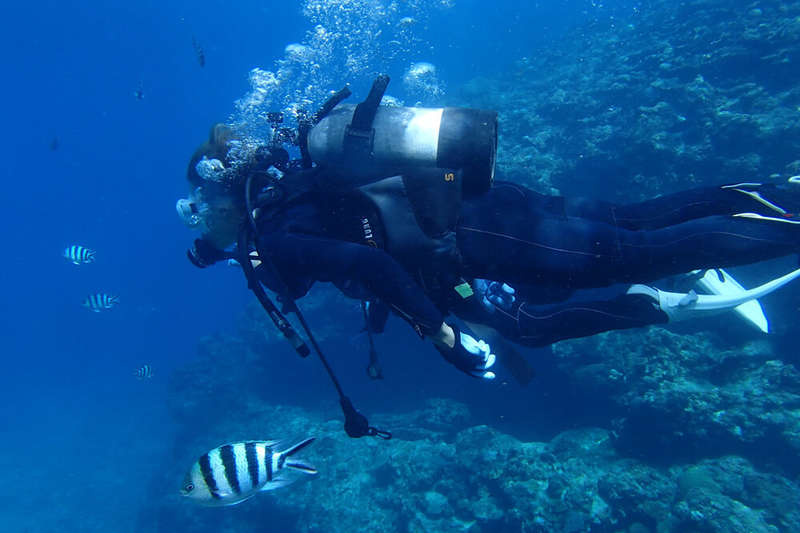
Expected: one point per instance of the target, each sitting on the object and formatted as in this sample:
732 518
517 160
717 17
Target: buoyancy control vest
418 214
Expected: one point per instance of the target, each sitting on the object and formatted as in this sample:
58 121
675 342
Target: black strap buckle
356 425
360 135
359 142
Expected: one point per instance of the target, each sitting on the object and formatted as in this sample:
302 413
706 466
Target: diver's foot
677 306
682 306
771 202
787 218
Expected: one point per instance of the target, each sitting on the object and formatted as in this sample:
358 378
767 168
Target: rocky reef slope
695 435
441 474
680 93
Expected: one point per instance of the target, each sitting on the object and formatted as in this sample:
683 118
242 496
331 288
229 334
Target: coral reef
682 394
700 436
680 433
462 478
672 97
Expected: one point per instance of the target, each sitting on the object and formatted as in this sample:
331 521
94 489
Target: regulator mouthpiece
188 212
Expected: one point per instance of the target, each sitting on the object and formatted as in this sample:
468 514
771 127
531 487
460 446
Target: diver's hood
216 147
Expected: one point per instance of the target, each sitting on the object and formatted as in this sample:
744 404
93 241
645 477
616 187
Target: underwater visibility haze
135 386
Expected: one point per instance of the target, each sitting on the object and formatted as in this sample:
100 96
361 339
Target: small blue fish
145 372
100 302
79 255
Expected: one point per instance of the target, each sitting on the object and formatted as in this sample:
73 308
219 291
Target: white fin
277 483
674 305
234 502
756 216
721 282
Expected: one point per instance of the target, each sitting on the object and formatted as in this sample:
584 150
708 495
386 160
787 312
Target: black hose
374 367
356 425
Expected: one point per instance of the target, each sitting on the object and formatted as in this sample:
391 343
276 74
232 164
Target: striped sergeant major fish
236 472
100 302
79 255
145 372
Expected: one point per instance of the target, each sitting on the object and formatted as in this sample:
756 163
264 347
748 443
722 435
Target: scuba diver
399 206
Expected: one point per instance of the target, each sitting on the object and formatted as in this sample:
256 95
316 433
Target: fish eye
188 487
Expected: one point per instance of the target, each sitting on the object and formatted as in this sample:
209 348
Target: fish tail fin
295 465
302 467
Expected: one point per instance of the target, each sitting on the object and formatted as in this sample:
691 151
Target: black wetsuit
515 235
580 243
322 237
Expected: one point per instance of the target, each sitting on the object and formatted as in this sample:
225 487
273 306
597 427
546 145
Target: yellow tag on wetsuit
464 290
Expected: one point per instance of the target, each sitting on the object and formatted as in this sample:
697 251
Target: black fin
297 447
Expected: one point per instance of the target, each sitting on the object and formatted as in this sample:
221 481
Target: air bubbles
421 69
298 52
346 41
421 81
390 101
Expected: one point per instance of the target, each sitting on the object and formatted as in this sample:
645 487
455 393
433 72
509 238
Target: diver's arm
377 314
322 259
445 336
331 260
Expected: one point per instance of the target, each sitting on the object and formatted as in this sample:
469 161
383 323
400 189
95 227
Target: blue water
78 432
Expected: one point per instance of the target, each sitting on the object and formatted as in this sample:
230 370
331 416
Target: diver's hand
495 294
469 355
255 261
203 254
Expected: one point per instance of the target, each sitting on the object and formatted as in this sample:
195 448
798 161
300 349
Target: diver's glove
203 254
495 294
471 356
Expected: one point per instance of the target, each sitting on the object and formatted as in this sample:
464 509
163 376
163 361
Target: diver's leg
651 214
711 242
640 306
540 326
509 242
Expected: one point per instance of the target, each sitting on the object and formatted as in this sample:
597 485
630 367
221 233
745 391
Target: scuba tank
369 142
